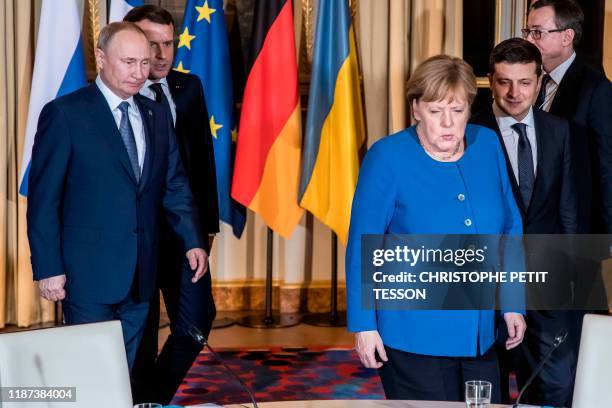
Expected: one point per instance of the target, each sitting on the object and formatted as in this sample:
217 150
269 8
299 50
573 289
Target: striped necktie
542 95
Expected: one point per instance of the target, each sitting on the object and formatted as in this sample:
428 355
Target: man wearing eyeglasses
574 91
582 95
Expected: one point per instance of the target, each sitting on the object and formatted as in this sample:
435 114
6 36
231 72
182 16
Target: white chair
594 373
89 357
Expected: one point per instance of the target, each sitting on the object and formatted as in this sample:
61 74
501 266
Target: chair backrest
594 373
89 357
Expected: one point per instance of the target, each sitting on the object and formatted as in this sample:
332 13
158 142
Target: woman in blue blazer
441 176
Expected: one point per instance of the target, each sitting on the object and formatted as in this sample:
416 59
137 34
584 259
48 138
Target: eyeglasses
537 34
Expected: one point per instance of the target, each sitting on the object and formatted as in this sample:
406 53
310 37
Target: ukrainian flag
334 127
203 50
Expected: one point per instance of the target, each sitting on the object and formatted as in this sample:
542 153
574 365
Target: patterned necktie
526 174
542 95
127 134
160 97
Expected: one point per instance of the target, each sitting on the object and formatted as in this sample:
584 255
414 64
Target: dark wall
478 39
478 33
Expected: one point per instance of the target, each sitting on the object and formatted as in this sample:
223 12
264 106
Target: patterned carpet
279 374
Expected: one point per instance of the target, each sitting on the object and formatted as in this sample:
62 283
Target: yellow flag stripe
329 194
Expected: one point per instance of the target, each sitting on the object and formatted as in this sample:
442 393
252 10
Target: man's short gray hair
110 30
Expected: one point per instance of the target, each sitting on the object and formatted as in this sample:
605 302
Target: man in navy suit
104 164
539 163
575 91
187 304
582 95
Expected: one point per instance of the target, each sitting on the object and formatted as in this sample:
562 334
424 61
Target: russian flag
59 67
119 8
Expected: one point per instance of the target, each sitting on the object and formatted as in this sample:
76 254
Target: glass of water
477 394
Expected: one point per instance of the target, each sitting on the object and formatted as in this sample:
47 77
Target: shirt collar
558 73
111 98
505 121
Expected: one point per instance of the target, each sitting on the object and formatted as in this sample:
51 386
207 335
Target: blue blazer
401 190
87 216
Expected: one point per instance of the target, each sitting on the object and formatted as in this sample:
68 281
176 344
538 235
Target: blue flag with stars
203 50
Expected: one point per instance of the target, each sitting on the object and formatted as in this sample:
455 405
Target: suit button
461 197
467 222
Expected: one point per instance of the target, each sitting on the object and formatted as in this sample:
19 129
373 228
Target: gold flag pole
92 28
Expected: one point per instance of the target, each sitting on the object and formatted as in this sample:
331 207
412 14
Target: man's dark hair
568 14
149 12
515 51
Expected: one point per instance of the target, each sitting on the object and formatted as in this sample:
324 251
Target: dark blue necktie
127 134
526 176
160 97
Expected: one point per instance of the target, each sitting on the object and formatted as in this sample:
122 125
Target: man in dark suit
583 96
537 149
104 164
187 304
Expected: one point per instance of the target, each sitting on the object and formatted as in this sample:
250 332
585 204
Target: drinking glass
477 394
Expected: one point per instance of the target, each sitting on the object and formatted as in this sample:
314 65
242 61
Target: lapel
540 131
565 102
105 123
148 121
185 110
176 86
488 119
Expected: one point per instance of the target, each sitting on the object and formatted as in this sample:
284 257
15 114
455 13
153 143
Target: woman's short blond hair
441 77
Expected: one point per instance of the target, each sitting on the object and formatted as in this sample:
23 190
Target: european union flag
203 50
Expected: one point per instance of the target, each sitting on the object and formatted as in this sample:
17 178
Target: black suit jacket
584 98
87 216
195 146
552 209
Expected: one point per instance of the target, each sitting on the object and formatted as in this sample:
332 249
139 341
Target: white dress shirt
511 137
556 75
133 113
148 92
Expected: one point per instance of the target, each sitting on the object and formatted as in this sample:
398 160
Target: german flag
267 167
